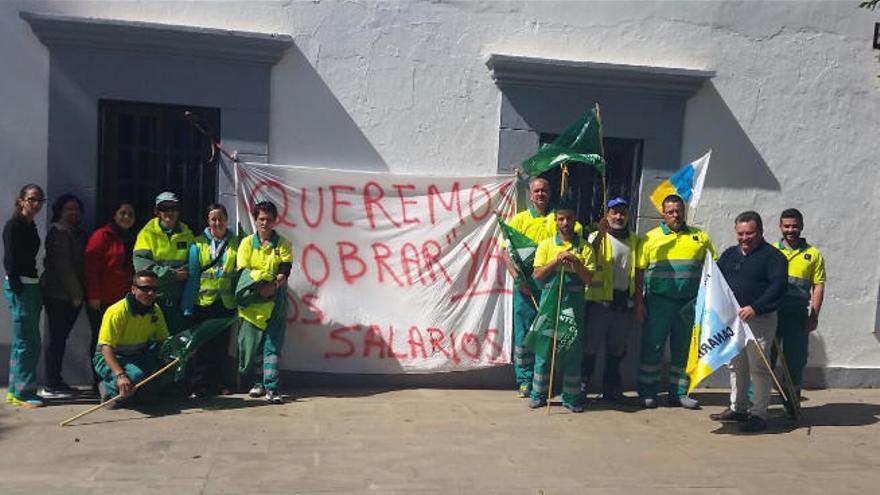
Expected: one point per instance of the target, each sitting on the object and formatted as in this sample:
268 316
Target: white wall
404 87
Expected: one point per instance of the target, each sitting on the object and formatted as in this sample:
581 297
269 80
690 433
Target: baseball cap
618 201
167 196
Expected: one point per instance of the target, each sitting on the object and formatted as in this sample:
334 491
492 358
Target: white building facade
784 93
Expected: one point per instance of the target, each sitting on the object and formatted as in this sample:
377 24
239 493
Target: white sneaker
257 391
274 397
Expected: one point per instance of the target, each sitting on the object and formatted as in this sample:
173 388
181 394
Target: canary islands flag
687 183
719 334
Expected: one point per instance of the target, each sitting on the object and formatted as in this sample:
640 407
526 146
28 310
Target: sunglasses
149 289
35 200
168 208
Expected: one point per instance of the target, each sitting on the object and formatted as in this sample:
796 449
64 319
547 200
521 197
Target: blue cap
618 201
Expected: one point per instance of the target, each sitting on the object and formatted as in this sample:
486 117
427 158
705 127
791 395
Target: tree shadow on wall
736 162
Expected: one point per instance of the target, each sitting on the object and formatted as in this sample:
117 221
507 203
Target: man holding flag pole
530 226
757 273
522 235
565 264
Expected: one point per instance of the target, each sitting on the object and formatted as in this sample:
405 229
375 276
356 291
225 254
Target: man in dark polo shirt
758 276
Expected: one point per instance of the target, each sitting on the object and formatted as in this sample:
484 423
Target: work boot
613 395
273 397
685 402
57 391
753 425
729 415
257 391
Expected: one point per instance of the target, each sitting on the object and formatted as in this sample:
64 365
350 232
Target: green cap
167 196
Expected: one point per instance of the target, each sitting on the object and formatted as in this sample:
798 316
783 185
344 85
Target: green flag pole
555 334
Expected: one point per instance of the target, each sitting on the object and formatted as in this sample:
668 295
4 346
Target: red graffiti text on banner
378 342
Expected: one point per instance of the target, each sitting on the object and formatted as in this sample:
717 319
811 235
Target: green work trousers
137 367
261 348
793 339
25 347
524 313
665 320
571 376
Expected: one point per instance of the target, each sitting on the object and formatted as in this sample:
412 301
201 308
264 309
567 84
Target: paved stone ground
430 441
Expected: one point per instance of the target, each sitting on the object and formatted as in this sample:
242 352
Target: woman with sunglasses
62 287
162 247
21 288
210 293
108 266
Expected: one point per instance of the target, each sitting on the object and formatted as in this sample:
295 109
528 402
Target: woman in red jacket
108 266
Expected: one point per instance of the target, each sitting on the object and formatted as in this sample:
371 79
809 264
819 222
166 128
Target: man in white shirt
609 296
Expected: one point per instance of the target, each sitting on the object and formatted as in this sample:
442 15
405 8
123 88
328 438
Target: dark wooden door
146 148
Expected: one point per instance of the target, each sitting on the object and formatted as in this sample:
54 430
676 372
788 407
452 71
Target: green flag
580 143
182 344
571 314
522 253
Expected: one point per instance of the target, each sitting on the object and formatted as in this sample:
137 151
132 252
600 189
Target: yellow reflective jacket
263 262
673 261
161 253
602 286
219 279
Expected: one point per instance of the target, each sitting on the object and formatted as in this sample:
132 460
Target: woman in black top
62 287
20 245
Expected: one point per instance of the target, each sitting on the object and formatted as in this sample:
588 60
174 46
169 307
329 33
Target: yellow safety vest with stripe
217 280
129 333
536 227
263 262
548 249
160 253
673 261
806 268
602 286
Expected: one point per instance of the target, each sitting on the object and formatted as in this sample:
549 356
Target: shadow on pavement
839 414
340 393
170 406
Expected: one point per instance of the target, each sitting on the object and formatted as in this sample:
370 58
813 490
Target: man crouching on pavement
127 349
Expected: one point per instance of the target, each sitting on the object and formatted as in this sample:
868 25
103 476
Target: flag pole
555 334
693 212
602 148
602 176
770 369
786 377
237 198
120 397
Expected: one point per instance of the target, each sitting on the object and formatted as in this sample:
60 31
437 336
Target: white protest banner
392 273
